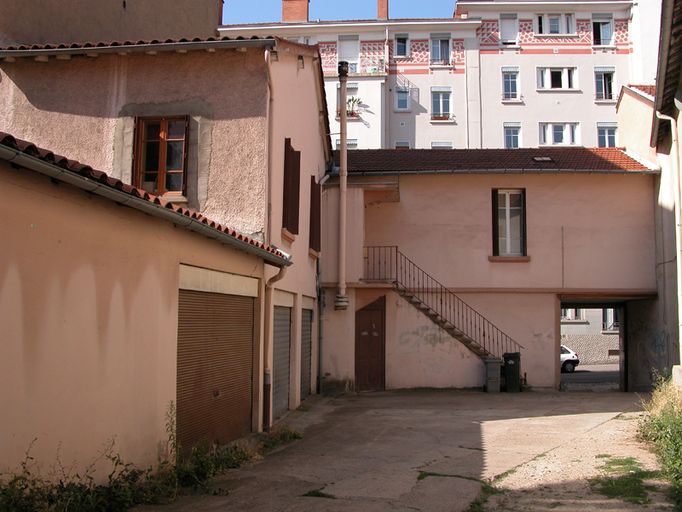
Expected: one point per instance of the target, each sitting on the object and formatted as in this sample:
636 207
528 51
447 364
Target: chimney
295 10
382 9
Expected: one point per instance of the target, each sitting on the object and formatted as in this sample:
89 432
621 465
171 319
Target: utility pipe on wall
341 300
267 343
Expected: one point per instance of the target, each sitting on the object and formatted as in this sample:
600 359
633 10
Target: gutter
89 185
498 171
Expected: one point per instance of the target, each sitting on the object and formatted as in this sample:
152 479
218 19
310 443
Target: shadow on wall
404 123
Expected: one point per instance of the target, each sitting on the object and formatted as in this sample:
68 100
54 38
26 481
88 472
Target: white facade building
498 74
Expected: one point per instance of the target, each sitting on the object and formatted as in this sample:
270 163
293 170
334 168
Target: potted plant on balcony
352 105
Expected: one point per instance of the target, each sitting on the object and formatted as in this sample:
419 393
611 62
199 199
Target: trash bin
512 371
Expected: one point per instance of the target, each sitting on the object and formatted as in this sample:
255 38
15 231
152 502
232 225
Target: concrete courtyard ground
442 451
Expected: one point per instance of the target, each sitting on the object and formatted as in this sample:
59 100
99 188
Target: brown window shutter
286 184
292 185
315 215
496 227
524 244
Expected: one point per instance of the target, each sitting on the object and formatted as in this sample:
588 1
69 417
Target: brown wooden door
370 341
215 367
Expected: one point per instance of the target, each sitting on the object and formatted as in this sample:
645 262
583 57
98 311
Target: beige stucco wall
67 21
635 115
88 308
84 108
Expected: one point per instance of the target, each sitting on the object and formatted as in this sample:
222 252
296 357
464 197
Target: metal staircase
386 264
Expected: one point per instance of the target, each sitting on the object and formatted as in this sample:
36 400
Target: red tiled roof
646 89
501 160
102 178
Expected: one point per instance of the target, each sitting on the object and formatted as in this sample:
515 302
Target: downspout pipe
675 160
267 343
341 299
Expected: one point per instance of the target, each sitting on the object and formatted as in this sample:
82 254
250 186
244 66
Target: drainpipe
675 157
268 212
341 299
269 334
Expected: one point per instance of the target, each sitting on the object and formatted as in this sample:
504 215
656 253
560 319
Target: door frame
377 305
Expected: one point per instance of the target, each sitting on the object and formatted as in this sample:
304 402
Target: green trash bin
512 371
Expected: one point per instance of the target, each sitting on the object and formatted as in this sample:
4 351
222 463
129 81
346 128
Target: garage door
215 367
282 351
306 351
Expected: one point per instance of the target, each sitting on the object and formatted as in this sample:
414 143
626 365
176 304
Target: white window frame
566 23
570 134
440 61
406 92
572 314
353 63
569 79
351 91
604 71
442 144
506 194
508 70
509 17
402 144
443 92
603 19
512 126
608 127
407 46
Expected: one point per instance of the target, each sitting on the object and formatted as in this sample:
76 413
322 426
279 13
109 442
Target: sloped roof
93 179
564 159
649 90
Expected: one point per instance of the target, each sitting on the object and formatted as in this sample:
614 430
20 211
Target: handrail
388 263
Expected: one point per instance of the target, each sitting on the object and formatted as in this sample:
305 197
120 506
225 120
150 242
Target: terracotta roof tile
646 89
103 178
564 159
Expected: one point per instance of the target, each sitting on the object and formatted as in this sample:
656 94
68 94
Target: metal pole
341 299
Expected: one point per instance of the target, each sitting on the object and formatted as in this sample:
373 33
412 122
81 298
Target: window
402 98
603 78
160 160
314 241
512 135
556 78
606 135
440 49
571 314
349 50
558 133
509 222
351 92
555 24
350 143
402 144
510 85
610 319
509 30
440 103
292 185
602 29
402 46
441 145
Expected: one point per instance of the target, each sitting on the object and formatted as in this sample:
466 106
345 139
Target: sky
253 11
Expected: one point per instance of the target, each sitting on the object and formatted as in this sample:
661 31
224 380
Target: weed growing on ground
624 478
662 426
277 437
317 493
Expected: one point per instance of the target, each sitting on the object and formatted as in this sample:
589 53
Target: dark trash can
512 371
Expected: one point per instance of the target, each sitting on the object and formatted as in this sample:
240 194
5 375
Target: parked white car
569 360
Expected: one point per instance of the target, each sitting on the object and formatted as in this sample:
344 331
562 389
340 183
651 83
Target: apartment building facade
496 75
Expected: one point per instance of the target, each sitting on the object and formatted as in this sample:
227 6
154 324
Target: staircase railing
388 264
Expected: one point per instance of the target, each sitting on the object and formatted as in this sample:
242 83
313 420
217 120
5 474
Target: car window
564 350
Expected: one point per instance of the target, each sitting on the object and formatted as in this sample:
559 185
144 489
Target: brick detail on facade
621 36
489 33
372 56
328 52
458 52
527 36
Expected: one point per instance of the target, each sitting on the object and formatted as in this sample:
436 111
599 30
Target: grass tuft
317 493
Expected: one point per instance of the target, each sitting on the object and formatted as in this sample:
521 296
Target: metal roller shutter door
281 366
215 367
306 351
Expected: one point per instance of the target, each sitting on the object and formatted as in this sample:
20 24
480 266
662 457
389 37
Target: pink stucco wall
88 308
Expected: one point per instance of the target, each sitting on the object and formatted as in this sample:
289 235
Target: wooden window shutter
292 186
496 227
315 215
524 243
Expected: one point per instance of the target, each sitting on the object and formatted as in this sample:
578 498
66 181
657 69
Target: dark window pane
556 79
152 130
174 181
149 182
176 129
150 156
174 155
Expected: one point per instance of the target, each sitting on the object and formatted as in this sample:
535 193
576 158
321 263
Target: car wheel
569 367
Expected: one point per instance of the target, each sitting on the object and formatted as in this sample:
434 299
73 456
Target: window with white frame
441 144
402 46
571 314
510 83
606 135
402 99
509 29
610 320
402 144
440 103
603 78
351 92
440 49
559 134
350 143
509 222
555 24
557 79
512 135
349 50
602 29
